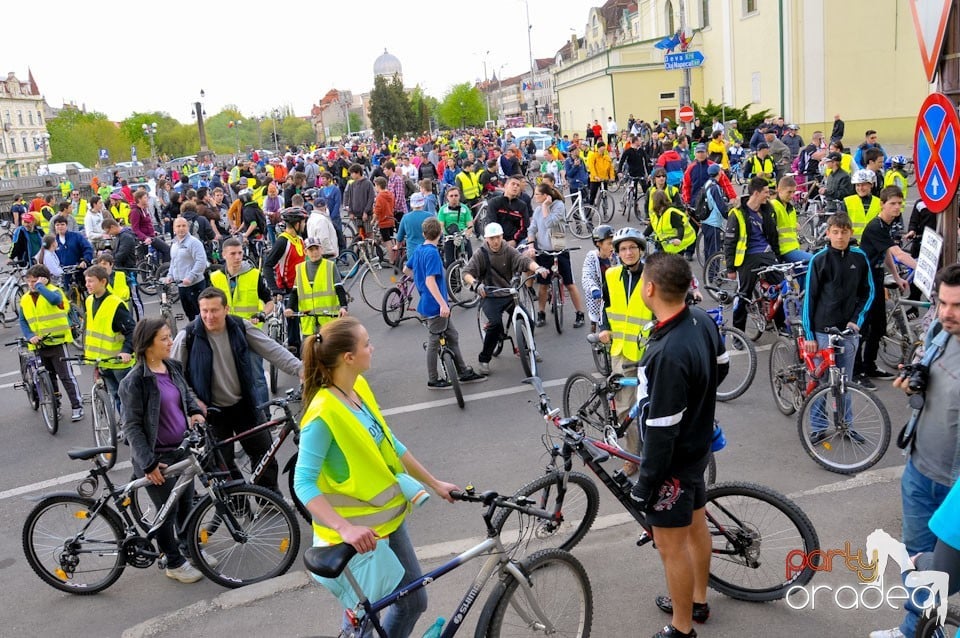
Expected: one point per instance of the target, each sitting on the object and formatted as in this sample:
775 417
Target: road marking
69 478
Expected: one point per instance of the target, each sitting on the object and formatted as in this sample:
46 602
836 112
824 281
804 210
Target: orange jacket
383 210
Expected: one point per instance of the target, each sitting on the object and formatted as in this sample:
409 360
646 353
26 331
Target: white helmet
863 176
493 229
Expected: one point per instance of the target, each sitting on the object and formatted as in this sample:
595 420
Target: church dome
387 65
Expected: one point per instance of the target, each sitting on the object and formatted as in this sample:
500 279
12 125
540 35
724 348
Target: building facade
24 144
806 60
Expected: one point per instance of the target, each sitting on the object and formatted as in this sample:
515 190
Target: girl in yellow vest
354 476
670 225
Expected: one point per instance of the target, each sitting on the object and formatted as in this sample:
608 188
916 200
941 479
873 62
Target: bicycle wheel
582 399
754 530
481 322
457 288
345 261
895 343
71 550
28 386
297 503
756 319
930 627
393 307
601 359
570 519
857 430
349 232
49 409
521 329
264 545
104 424
562 590
450 369
743 364
605 206
581 221
375 281
147 279
556 304
787 376
173 290
169 318
715 274
77 319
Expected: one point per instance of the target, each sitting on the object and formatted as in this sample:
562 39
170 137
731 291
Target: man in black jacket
511 211
125 256
634 159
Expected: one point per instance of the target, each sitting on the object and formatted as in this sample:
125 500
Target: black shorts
675 500
386 234
566 271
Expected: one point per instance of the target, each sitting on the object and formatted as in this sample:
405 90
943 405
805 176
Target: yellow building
806 60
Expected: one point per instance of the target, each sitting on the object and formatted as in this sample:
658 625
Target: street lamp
259 133
150 130
199 112
41 141
276 140
235 125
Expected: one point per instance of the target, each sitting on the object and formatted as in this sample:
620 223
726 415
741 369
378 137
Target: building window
6 117
668 17
704 14
23 139
749 7
39 117
30 117
668 95
13 144
2 149
20 117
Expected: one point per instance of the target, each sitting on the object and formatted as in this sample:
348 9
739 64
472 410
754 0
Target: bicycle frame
290 426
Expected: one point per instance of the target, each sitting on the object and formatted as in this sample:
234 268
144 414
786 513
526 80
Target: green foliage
78 137
746 123
390 110
462 106
424 109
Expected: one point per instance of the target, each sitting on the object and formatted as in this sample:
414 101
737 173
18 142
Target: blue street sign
935 151
685 60
104 154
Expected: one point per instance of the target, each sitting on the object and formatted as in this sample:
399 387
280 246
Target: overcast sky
124 57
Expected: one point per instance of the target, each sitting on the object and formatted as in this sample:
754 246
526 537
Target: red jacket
140 223
383 210
688 182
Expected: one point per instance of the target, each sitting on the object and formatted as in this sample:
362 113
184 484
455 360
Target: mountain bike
11 290
769 298
149 270
36 382
77 297
236 534
6 237
275 327
601 354
548 591
448 363
169 293
604 203
397 301
633 201
930 626
458 291
754 528
843 427
105 418
557 291
740 351
581 218
521 312
903 334
374 273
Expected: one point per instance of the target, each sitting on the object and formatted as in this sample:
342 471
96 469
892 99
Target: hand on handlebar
604 336
810 346
445 490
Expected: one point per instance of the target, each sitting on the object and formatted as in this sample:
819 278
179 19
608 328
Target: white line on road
69 478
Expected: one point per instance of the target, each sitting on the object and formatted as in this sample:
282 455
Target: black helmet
293 215
310 194
629 233
245 195
601 232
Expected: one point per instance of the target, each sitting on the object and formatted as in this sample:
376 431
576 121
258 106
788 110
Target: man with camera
934 447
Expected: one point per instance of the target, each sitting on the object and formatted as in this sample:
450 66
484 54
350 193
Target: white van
528 131
60 168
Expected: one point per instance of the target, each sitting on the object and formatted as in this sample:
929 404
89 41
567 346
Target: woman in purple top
158 407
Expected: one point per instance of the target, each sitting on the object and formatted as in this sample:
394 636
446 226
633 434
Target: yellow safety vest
469 183
786 217
742 239
42 219
47 320
765 165
100 341
846 164
121 213
671 192
894 177
244 301
318 294
857 215
117 285
663 228
630 320
370 495
81 213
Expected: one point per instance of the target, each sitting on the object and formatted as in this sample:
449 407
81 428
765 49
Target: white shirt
612 127
320 226
93 225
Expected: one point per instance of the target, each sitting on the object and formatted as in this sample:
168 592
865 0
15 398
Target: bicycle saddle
85 454
330 561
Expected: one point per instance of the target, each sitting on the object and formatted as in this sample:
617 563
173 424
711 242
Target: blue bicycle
740 350
36 382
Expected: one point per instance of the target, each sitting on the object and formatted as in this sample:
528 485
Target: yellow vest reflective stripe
100 341
121 213
764 165
47 320
671 192
786 226
742 239
469 183
244 301
370 495
318 294
117 285
81 213
630 320
665 232
858 216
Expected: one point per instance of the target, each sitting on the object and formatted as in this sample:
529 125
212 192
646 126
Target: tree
746 123
424 108
78 137
390 111
462 106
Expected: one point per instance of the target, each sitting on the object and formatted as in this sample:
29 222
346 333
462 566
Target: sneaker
856 436
864 382
469 376
701 611
819 435
484 367
578 320
880 374
541 319
186 573
209 559
887 633
672 632
77 414
439 384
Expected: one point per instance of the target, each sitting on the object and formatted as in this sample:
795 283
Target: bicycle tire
605 206
929 624
393 307
556 304
104 424
28 386
787 376
6 242
345 261
60 517
570 519
450 368
375 281
147 280
528 361
737 382
563 592
582 400
170 319
895 344
481 321
349 232
715 273
457 288
289 470
274 332
756 324
581 221
49 410
271 535
601 359
735 508
873 428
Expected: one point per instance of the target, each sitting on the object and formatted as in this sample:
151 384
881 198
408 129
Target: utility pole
486 85
533 120
685 88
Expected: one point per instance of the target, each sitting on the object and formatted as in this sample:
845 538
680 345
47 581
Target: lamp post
41 141
276 140
150 130
462 125
259 133
235 125
200 113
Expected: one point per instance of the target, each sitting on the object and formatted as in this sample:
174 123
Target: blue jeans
920 498
796 255
400 619
845 360
712 240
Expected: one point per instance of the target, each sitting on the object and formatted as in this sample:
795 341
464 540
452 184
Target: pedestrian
109 331
595 264
188 265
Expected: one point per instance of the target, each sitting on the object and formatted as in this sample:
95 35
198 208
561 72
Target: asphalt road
494 443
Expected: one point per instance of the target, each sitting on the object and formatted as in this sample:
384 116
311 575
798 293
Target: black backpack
702 210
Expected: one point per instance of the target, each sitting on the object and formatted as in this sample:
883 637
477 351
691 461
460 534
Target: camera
917 375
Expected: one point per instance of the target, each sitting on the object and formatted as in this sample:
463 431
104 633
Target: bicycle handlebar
88 361
557 253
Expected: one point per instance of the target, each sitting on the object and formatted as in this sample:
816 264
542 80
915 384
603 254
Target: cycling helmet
245 195
629 233
601 232
293 215
898 160
863 176
311 193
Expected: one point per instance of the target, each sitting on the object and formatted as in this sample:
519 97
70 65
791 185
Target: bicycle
557 293
521 320
604 203
581 218
838 405
633 202
374 273
769 298
6 236
236 534
931 627
903 335
275 327
149 270
77 298
754 528
169 293
737 346
11 290
601 354
36 382
397 301
105 420
524 593
448 364
458 291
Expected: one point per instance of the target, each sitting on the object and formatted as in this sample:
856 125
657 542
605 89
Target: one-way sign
685 60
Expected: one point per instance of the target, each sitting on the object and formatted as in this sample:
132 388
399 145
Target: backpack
409 187
702 210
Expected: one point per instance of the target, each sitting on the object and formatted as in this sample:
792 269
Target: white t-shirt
612 127
319 225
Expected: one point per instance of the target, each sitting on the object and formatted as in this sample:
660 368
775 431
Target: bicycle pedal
20 385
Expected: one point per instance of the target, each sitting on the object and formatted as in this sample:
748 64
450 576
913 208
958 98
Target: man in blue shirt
410 226
427 269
